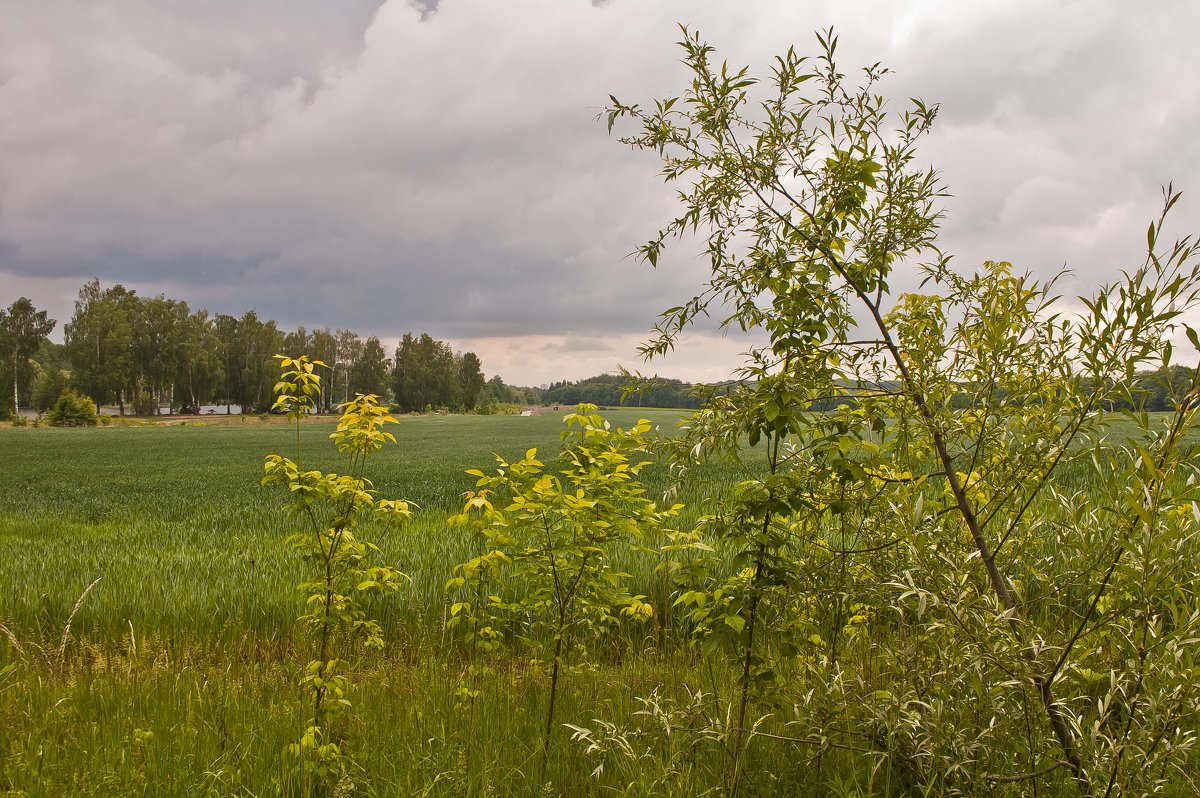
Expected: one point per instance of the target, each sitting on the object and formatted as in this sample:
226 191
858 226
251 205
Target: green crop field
186 541
176 673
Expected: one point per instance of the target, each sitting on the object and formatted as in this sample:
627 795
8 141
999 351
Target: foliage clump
72 410
548 578
928 510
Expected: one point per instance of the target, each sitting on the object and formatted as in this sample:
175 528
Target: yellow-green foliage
328 508
550 539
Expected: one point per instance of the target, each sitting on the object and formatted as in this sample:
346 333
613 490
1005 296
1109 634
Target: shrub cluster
72 410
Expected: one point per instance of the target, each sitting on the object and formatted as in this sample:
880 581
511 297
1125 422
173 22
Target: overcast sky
436 167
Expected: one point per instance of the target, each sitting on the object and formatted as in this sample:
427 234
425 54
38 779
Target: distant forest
148 355
608 390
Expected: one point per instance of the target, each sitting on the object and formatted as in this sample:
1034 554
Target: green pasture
186 542
179 673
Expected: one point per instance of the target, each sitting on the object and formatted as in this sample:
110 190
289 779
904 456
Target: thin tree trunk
740 733
550 710
1054 710
327 621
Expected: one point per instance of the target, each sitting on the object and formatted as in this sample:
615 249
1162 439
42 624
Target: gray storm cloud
436 166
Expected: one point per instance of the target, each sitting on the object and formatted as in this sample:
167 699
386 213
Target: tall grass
188 543
179 674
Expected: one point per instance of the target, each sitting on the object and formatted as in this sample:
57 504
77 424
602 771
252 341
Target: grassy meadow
188 544
178 675
178 672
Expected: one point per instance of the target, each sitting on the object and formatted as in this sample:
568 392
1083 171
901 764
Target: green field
187 543
190 632
178 674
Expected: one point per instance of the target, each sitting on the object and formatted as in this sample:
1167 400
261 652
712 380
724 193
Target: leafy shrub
72 410
552 539
497 409
1032 624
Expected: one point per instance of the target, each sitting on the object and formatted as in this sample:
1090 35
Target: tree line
154 354
608 390
1150 390
144 354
